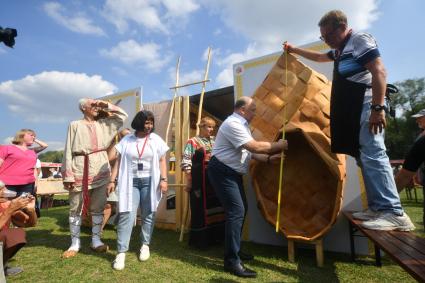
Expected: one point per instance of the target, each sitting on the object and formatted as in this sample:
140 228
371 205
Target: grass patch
172 261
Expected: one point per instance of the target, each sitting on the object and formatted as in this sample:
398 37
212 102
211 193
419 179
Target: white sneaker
365 215
144 253
119 262
389 221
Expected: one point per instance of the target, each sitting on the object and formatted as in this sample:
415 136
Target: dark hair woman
142 180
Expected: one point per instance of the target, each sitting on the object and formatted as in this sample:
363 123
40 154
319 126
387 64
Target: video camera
7 36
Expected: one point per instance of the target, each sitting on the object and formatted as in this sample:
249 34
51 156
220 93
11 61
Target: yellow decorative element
115 97
267 60
363 196
122 95
239 89
238 79
245 228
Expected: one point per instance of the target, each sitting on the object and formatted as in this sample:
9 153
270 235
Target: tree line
402 130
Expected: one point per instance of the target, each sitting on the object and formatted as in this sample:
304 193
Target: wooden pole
282 156
185 85
201 101
185 133
170 118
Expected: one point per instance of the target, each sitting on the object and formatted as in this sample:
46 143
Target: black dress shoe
245 256
241 271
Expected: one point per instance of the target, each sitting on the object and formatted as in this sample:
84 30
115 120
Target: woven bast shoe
69 253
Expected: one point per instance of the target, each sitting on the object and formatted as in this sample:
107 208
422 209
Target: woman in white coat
142 179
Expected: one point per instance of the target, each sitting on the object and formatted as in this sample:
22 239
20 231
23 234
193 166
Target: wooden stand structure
404 248
180 115
318 244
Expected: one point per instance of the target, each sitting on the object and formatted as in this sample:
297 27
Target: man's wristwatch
163 179
378 107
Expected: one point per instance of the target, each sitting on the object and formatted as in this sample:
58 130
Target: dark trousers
228 185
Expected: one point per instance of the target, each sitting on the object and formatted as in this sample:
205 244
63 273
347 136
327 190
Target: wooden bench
405 248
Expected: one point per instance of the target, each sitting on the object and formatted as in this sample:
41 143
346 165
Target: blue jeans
141 197
377 173
228 185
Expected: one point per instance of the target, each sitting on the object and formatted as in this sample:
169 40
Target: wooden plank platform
405 248
50 187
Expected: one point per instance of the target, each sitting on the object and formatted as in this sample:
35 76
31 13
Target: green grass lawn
172 261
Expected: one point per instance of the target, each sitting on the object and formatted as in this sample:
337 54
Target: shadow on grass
53 232
49 239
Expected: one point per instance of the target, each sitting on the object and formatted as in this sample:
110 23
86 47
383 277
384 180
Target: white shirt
125 177
38 166
232 134
146 158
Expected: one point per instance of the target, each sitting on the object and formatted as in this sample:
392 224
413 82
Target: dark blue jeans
228 185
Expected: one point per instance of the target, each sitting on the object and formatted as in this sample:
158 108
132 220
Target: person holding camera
21 212
85 167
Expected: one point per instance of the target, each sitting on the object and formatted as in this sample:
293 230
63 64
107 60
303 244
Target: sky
67 50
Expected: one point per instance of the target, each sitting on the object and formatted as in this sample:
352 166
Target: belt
85 183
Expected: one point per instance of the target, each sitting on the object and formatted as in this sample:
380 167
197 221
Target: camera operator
21 212
7 36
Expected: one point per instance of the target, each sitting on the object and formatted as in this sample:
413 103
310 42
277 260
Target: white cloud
191 77
51 96
119 71
54 146
179 8
153 15
186 78
131 52
217 32
266 25
141 12
78 23
7 140
274 21
225 77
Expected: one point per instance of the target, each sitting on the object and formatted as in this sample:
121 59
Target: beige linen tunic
84 138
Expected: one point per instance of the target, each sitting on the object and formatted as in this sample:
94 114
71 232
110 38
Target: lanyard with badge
140 153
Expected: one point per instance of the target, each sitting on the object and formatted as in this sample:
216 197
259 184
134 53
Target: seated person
21 211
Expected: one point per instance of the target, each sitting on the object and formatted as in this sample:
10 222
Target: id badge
140 166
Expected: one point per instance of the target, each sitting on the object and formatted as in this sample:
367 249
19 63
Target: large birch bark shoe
74 227
313 176
97 245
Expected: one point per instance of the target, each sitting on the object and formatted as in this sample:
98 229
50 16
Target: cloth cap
419 114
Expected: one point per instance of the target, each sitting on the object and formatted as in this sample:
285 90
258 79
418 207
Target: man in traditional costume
85 167
357 116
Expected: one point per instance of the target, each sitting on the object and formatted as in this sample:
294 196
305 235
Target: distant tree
402 130
51 156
